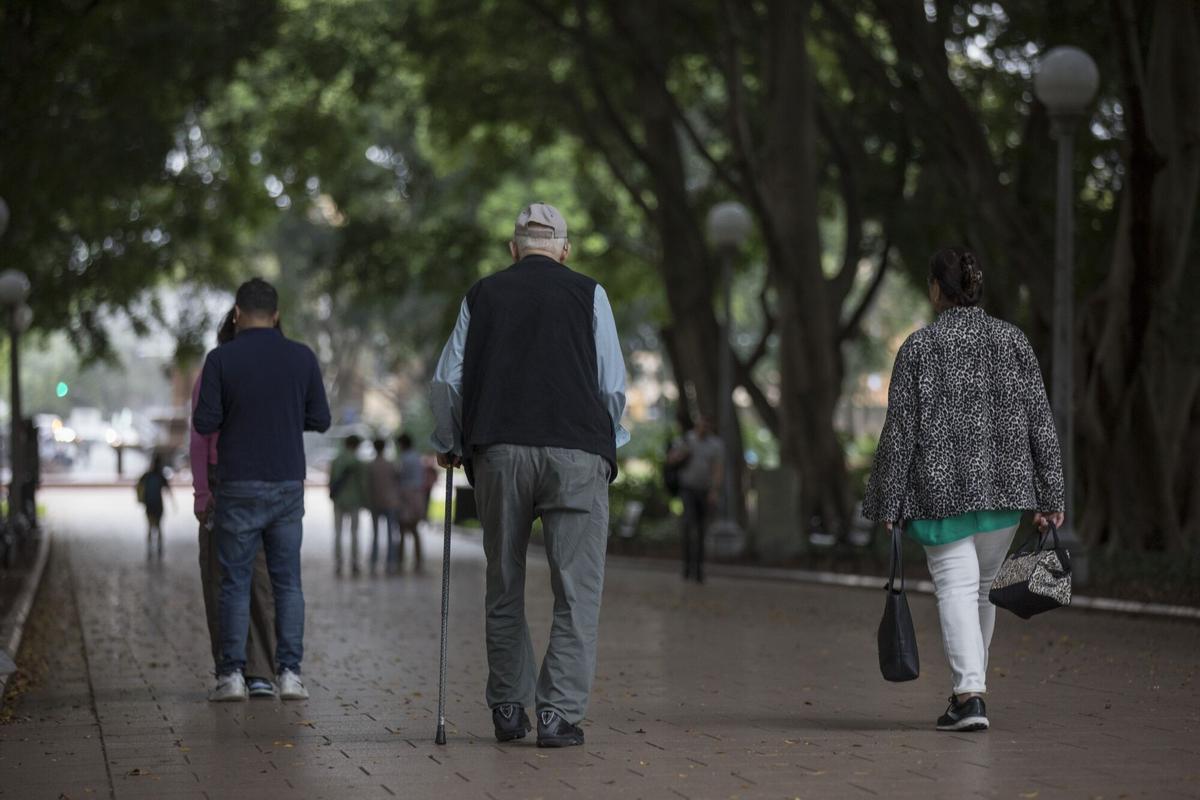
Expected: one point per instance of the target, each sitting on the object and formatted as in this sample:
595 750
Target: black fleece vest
530 370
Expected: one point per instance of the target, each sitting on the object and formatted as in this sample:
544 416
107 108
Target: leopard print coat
968 425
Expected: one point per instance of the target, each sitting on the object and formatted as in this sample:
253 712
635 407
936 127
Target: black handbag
898 658
1034 580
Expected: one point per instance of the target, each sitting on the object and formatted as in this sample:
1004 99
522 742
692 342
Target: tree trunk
809 313
1140 411
688 269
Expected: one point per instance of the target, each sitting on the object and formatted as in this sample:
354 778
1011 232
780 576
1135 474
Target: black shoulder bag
898 658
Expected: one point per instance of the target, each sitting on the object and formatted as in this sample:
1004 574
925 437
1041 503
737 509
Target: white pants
962 573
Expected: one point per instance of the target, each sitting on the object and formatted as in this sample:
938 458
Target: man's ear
512 249
275 320
237 314
566 253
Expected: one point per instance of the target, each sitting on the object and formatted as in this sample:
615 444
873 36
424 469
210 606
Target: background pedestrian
348 490
414 496
151 487
700 458
383 502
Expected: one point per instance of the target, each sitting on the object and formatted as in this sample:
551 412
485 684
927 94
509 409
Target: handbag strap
1054 533
897 558
1040 538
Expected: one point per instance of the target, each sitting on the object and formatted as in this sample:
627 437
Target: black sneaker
511 722
969 715
554 731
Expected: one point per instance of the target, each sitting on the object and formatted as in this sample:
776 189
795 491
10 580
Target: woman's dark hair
380 445
958 274
228 329
404 441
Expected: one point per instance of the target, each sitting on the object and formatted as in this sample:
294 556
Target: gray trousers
568 490
260 638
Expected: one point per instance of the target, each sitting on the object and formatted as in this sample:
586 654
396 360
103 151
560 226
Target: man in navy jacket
261 392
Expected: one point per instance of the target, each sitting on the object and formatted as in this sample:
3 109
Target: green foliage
369 158
96 99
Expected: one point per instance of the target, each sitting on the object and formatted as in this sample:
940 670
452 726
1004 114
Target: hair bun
957 271
972 273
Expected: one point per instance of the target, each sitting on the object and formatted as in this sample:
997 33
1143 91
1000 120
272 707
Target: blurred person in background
414 496
260 638
348 490
699 458
383 503
150 490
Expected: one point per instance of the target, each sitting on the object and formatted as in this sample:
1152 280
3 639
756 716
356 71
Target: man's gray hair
542 244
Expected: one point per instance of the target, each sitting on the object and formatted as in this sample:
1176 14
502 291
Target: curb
12 626
782 575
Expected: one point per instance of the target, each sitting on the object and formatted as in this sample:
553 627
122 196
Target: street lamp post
729 224
1066 82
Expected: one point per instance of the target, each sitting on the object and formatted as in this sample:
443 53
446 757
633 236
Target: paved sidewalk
737 689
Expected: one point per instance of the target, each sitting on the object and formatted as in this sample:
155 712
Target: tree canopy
370 156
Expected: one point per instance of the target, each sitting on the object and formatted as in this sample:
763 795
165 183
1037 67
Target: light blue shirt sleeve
610 362
445 391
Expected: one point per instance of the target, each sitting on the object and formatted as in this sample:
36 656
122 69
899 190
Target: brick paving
737 689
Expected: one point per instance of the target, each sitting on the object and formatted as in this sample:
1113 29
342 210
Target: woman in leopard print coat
969 443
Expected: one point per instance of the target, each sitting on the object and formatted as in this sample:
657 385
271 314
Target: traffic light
62 389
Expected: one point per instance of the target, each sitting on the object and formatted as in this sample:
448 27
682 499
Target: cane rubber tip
441 736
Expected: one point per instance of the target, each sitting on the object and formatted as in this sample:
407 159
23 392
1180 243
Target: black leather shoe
969 715
554 731
511 722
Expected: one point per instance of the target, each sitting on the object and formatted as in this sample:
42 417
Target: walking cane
440 738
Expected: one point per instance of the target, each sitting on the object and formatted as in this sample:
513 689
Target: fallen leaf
137 772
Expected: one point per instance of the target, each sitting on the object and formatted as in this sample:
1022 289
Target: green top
352 492
951 529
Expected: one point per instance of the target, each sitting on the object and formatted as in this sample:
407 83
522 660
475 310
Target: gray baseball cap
540 221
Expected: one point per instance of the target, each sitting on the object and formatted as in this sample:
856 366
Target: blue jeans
249 513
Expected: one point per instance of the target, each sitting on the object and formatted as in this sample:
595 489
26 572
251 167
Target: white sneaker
290 686
230 688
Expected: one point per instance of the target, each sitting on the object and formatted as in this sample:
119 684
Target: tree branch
766 412
850 328
769 323
582 36
588 130
640 48
844 280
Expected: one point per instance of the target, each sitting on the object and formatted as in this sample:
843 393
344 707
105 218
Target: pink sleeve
200 451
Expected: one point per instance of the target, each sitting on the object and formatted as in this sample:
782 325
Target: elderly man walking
528 395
